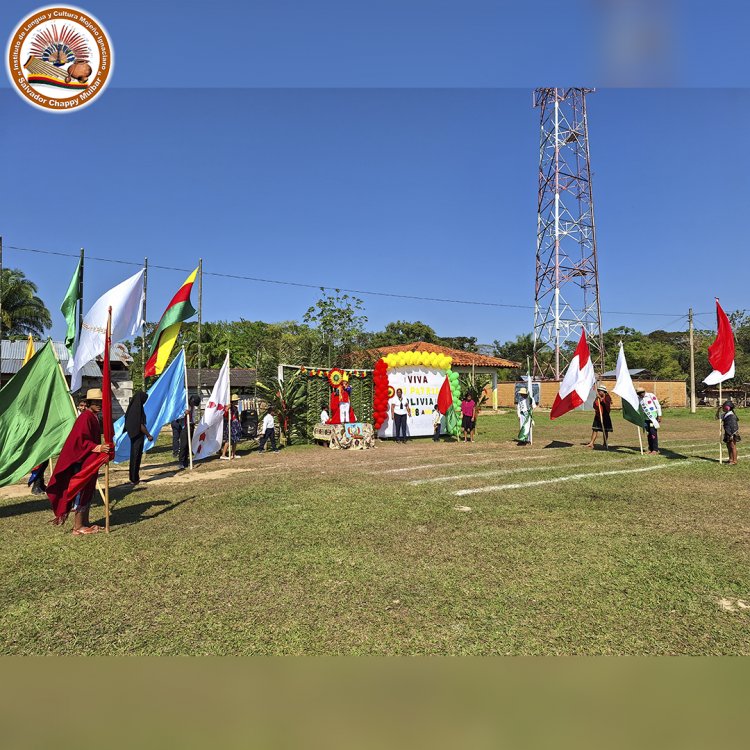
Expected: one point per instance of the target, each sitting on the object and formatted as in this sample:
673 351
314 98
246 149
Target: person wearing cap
522 410
602 419
232 430
731 430
81 453
652 409
135 426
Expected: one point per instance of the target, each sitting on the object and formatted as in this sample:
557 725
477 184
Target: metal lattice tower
567 275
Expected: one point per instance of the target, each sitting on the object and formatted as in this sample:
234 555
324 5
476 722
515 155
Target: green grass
312 551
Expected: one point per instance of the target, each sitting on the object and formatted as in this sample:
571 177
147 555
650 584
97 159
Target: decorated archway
425 379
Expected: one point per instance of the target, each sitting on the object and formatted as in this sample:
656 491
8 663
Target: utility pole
692 362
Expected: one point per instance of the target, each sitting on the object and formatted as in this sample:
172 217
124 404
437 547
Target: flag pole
106 467
721 429
187 412
80 299
531 398
1 311
200 324
143 329
229 413
640 438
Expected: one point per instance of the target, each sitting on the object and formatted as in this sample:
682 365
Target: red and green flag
178 311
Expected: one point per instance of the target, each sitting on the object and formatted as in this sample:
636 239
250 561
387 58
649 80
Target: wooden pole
229 417
200 324
640 439
721 430
692 362
106 466
143 329
187 414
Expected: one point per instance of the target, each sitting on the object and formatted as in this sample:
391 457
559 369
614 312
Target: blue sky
338 147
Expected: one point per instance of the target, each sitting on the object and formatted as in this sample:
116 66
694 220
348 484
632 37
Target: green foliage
337 319
474 386
288 399
23 312
403 332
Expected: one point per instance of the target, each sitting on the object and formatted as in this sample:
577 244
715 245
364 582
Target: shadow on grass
558 444
131 514
27 506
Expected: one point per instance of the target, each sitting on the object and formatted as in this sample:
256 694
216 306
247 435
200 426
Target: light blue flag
166 402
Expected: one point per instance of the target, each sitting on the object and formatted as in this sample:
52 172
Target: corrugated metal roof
239 377
13 353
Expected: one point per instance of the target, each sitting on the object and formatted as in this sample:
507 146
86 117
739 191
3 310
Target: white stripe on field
497 472
501 458
569 478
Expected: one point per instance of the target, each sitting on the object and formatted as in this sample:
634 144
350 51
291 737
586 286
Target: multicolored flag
208 434
126 302
167 401
68 307
178 311
721 352
624 388
578 383
36 415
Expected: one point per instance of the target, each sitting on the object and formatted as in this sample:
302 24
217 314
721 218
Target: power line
298 284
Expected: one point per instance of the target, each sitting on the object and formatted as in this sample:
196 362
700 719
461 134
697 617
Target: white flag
207 437
126 301
624 388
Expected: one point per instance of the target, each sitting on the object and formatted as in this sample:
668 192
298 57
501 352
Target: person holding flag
631 405
721 358
73 482
525 412
602 417
651 409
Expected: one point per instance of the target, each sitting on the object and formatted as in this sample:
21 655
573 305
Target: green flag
36 415
68 307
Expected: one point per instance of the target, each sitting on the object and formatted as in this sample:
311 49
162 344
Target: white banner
207 437
420 386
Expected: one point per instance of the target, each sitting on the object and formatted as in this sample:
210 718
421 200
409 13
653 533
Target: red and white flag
578 382
207 437
721 352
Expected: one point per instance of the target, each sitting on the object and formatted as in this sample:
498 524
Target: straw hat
523 392
235 398
94 394
640 389
602 387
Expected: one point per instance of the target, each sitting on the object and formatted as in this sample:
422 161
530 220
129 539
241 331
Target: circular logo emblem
59 58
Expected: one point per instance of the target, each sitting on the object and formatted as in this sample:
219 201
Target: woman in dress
602 419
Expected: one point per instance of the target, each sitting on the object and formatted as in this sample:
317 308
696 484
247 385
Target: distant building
120 360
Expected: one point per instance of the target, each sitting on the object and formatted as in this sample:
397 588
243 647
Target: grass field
415 549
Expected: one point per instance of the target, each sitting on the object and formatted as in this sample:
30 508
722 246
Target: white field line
569 478
500 458
497 472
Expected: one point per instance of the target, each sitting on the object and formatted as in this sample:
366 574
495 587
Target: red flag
445 397
578 381
95 461
721 352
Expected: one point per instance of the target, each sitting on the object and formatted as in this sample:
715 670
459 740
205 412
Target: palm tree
23 312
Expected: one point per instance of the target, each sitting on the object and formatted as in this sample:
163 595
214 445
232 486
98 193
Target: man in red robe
73 481
341 410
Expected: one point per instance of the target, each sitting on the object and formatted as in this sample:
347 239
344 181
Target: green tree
23 312
338 319
403 332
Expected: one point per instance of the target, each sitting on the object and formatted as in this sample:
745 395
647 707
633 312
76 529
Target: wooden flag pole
229 406
187 413
106 467
721 429
640 438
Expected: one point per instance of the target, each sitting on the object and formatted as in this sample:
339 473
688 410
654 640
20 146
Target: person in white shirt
269 432
400 411
324 414
437 420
